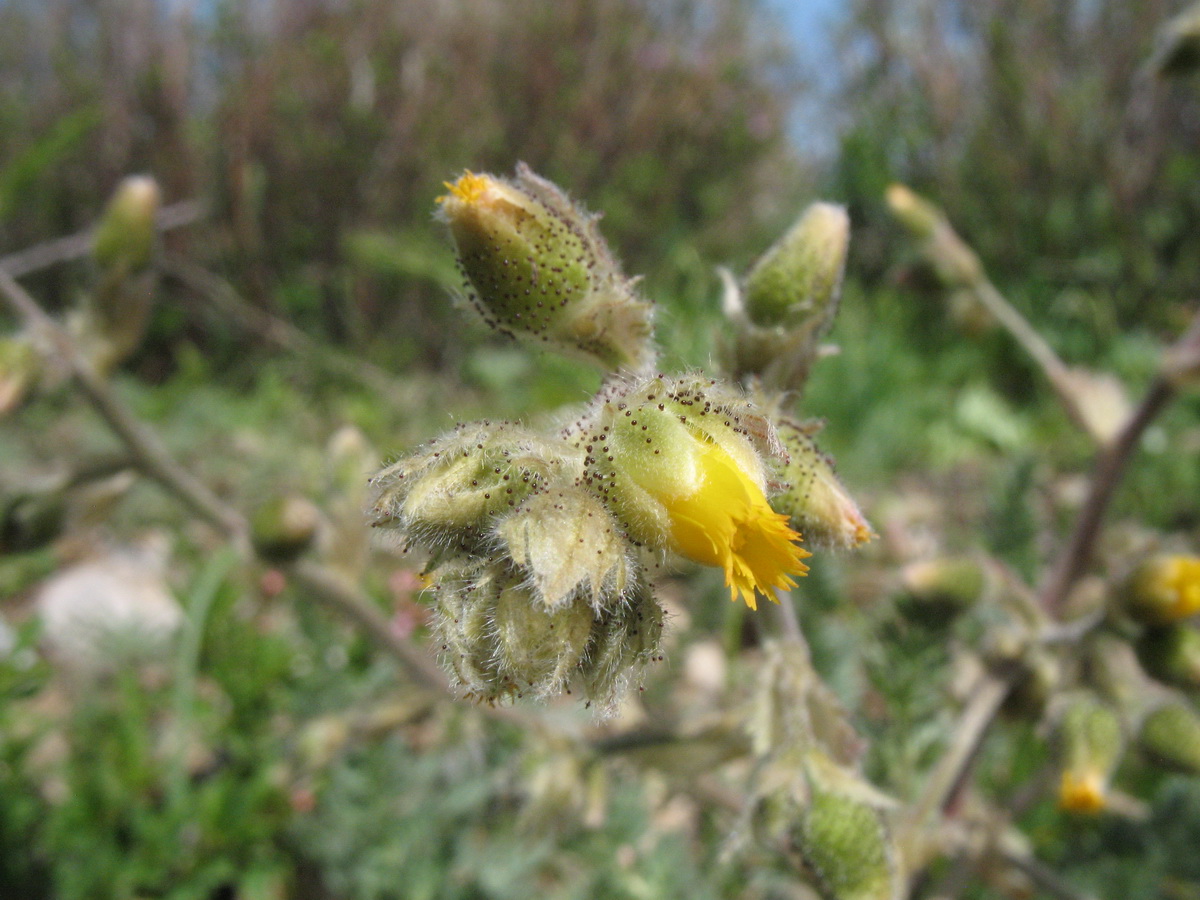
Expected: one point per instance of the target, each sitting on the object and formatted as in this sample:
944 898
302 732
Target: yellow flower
1166 589
678 462
1082 792
726 522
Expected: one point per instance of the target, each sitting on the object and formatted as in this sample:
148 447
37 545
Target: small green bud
815 502
845 843
678 462
1171 654
283 528
936 591
571 546
954 262
1091 747
124 238
798 281
1170 736
20 370
538 269
624 641
464 605
1164 589
448 493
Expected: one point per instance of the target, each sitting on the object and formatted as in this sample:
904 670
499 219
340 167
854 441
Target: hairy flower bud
624 641
797 282
113 320
1171 654
570 545
1091 746
815 502
537 268
1164 589
678 461
499 639
449 492
1170 736
124 237
845 843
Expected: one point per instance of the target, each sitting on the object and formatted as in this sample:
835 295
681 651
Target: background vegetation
302 333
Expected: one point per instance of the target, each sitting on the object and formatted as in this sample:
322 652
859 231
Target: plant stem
1110 467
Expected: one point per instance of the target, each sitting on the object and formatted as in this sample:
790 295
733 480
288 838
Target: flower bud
284 527
20 370
464 604
449 492
124 237
815 502
570 545
845 843
537 268
624 641
797 282
1171 654
954 262
1091 746
1170 736
678 462
1164 589
936 591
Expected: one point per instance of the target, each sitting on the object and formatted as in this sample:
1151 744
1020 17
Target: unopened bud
625 640
284 527
845 843
1091 745
571 546
464 606
797 282
537 268
449 492
954 262
20 369
678 461
1164 589
1171 654
936 591
815 502
1170 736
124 237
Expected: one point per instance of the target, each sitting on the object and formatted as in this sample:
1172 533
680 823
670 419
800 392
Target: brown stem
75 246
1110 467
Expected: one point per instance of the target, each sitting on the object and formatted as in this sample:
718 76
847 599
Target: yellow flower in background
1082 792
728 523
1165 589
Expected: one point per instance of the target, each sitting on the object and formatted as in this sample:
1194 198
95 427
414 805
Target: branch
76 246
143 445
1110 468
150 455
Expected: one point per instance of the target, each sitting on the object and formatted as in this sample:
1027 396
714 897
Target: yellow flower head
1082 792
675 460
1165 589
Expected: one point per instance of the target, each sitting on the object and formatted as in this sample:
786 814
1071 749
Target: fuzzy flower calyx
679 462
537 268
1091 747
